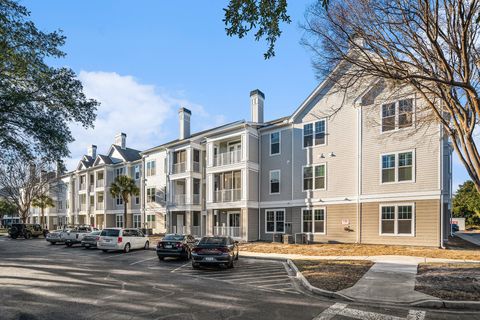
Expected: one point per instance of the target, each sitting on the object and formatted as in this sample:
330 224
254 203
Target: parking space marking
140 261
340 309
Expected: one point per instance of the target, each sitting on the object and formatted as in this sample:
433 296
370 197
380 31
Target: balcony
83 186
228 195
83 207
226 158
179 199
196 199
100 183
100 206
196 166
234 232
179 167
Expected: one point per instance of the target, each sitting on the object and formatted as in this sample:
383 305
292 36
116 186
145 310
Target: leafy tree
7 208
466 203
125 188
43 202
37 101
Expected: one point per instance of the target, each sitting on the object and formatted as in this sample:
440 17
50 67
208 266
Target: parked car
26 230
176 245
90 240
75 235
455 228
122 239
54 237
215 251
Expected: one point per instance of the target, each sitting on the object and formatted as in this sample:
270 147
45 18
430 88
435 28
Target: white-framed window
275 143
314 220
119 172
397 115
137 221
137 200
136 171
119 200
314 134
119 220
314 177
398 167
274 181
275 221
150 195
397 219
151 168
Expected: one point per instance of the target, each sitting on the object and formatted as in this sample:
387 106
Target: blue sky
143 59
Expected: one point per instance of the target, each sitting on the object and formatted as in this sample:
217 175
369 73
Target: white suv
122 239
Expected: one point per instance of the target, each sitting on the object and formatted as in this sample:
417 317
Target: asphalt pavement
41 281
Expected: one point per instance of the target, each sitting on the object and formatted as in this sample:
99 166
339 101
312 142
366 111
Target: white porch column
244 184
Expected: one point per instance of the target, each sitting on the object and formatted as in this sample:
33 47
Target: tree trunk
43 218
125 214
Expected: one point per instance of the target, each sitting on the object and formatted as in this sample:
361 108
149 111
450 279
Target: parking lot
41 281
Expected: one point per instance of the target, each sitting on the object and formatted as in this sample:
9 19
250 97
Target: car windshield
174 237
110 233
17 225
95 233
213 240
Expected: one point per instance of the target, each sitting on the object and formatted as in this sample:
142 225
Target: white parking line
342 310
137 262
183 265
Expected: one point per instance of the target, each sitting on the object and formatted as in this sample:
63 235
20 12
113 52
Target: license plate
209 259
107 240
168 246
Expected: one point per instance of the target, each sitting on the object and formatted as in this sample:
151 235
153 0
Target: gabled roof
128 154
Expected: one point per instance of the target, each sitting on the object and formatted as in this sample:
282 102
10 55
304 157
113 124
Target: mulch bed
459 281
333 275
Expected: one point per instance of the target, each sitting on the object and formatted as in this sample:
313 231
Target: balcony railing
83 207
179 199
228 195
179 167
83 186
193 230
100 183
196 199
229 157
234 232
196 166
100 206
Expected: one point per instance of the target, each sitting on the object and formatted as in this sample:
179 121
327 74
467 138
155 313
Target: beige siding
427 225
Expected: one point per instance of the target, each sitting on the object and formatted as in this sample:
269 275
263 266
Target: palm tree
43 201
124 187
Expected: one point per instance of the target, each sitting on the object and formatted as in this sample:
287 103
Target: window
397 167
137 221
397 115
275 181
119 221
275 221
314 177
136 171
118 172
151 168
314 134
150 195
313 220
150 218
137 200
396 219
274 143
119 201
196 155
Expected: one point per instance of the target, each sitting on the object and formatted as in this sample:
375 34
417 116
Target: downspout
359 168
142 190
442 222
259 179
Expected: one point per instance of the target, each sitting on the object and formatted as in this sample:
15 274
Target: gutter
259 181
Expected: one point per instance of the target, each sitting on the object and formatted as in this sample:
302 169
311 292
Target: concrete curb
446 304
309 287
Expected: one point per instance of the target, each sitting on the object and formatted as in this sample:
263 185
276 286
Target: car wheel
14 236
147 245
28 235
69 244
35 236
105 250
86 247
195 265
126 249
161 258
52 243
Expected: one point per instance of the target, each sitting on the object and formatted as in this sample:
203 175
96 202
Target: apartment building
371 166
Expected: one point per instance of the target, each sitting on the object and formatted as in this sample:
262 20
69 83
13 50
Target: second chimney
121 140
184 122
256 105
92 151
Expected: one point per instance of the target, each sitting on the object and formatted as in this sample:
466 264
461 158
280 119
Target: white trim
324 119
270 181
313 165
395 219
396 153
274 210
313 219
279 143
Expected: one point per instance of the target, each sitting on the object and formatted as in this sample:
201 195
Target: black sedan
215 251
176 245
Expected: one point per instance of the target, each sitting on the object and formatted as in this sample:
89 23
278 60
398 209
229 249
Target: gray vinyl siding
252 233
252 185
252 148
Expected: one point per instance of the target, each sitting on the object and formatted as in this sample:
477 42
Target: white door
179 223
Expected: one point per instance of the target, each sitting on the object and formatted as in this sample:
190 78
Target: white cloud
147 114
